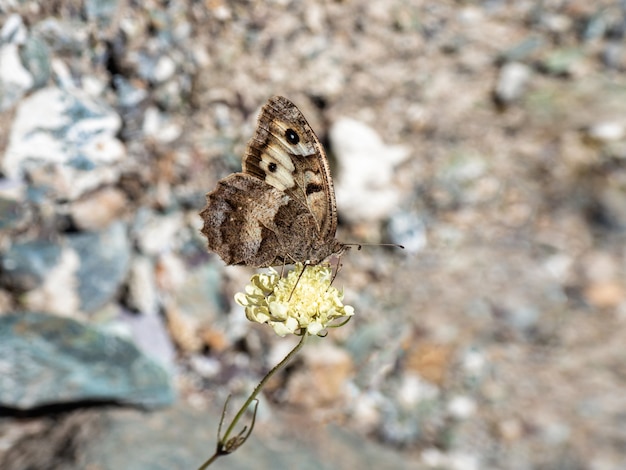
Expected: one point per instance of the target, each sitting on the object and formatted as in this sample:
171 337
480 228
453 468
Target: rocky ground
488 137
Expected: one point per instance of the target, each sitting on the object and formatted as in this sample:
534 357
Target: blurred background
488 137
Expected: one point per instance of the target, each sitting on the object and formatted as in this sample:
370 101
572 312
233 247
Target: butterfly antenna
361 245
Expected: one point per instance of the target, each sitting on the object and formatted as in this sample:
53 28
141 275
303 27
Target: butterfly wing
286 154
281 208
249 222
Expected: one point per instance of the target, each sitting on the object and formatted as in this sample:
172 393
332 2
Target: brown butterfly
281 209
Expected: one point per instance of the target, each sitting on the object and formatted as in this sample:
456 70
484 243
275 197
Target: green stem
213 458
262 383
223 440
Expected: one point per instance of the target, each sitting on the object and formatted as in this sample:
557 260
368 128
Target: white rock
474 362
160 234
512 81
142 291
15 80
608 131
98 209
408 230
207 367
461 407
62 74
13 31
365 188
66 134
413 389
157 126
171 272
59 292
365 412
164 69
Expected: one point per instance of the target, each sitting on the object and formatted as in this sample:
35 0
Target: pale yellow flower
296 303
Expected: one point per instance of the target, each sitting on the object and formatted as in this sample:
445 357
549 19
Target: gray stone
102 11
26 265
15 80
563 61
104 264
11 213
182 437
143 295
409 230
48 360
35 55
524 49
150 334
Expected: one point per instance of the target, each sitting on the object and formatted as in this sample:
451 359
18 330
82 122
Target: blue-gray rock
102 11
15 80
129 95
596 26
181 437
149 333
523 50
64 36
409 230
104 264
26 265
64 141
12 213
35 55
47 360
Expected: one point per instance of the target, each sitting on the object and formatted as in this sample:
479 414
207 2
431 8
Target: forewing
286 154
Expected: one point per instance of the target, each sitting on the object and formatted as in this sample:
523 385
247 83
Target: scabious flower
301 302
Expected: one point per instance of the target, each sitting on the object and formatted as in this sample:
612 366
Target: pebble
563 61
512 81
409 230
461 407
58 293
27 265
321 381
104 264
364 184
606 131
198 294
15 80
143 295
12 214
47 360
157 234
96 211
103 12
149 333
35 55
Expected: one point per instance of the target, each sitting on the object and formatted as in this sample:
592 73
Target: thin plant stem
222 446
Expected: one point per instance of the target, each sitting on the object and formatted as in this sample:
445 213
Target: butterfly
281 208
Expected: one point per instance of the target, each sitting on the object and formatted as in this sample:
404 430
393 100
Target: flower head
301 302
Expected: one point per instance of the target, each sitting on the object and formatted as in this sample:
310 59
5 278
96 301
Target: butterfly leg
336 271
306 264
